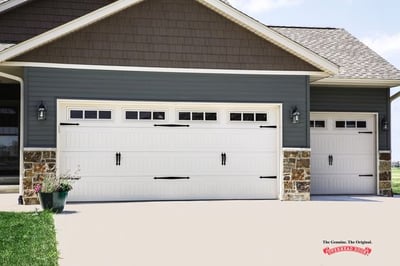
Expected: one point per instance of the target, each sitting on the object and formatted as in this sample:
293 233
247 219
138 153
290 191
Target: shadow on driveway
346 198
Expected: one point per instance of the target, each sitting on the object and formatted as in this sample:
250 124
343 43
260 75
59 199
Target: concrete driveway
230 232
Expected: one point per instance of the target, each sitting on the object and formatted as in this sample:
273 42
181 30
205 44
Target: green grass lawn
27 239
396 180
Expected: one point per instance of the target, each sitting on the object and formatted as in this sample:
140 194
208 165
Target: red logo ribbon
364 251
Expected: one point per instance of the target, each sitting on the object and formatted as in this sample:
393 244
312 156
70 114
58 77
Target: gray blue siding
374 100
48 85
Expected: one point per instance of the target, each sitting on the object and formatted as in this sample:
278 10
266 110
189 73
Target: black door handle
223 158
118 158
330 159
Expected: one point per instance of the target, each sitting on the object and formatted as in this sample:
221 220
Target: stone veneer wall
296 175
37 163
385 174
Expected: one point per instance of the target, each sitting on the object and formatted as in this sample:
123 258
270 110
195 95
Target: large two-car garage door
169 151
343 153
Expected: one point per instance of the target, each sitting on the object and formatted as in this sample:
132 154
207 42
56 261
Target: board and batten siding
371 100
49 84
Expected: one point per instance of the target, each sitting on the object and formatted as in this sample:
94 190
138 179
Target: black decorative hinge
69 124
171 125
171 177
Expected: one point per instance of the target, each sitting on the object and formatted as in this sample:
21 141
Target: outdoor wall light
295 115
41 112
384 124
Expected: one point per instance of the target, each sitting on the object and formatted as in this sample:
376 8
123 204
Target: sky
374 22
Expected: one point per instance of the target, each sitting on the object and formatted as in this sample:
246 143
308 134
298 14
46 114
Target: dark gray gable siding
167 33
48 85
38 16
354 100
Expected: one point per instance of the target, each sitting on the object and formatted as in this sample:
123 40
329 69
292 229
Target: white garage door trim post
376 139
376 115
64 103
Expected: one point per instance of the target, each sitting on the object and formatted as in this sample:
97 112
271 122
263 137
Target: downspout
395 97
21 132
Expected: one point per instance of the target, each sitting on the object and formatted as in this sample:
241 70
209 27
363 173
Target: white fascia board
313 74
11 4
5 46
395 96
271 35
64 29
338 82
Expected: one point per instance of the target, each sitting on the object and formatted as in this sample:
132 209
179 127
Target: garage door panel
197 187
169 163
342 163
343 184
341 143
161 139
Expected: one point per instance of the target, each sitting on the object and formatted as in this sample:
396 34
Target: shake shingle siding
167 33
36 17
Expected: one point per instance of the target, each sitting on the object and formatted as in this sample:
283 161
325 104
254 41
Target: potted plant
53 191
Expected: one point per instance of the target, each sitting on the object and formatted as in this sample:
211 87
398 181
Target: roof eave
365 83
12 4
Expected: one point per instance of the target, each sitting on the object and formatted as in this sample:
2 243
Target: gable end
167 33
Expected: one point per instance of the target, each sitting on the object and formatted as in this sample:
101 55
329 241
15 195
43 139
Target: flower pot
54 201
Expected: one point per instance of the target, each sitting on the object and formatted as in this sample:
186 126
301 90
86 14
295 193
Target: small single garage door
343 153
169 151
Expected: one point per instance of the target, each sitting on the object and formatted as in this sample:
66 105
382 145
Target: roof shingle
355 59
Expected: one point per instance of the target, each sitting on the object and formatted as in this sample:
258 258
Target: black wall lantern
295 115
384 124
41 112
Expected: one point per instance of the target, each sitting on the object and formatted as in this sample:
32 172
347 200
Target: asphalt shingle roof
355 59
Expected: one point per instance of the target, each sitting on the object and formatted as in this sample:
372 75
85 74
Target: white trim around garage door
71 103
376 117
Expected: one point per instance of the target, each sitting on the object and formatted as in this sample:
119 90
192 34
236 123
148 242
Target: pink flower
37 188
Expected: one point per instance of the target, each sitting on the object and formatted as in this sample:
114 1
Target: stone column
385 174
296 174
37 163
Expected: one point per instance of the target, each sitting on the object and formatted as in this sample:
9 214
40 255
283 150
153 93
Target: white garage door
343 150
169 151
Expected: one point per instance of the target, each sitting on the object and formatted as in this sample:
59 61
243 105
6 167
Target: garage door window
317 123
90 114
248 116
351 124
144 115
197 116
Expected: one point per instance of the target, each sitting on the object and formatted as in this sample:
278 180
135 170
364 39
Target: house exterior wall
167 33
48 85
36 17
